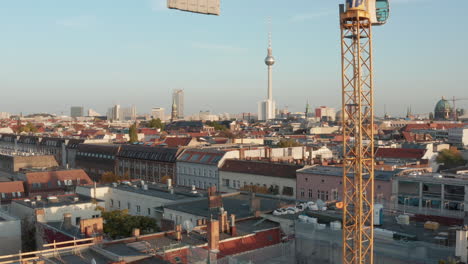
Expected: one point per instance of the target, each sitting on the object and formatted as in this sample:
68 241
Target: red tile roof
177 141
408 137
9 187
54 176
400 153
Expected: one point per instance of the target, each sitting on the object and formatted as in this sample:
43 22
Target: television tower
267 107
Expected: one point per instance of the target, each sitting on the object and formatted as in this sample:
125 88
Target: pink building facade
326 183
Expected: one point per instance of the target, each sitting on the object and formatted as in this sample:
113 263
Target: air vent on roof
33 203
52 199
38 198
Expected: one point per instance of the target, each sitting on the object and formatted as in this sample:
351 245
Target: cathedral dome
443 109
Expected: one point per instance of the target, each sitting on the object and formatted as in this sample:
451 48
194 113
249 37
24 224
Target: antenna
269 31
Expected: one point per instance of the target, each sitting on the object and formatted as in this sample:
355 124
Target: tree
216 125
287 143
133 134
109 177
165 178
156 123
119 224
29 127
451 158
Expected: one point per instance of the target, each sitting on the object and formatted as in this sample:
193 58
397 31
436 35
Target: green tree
109 177
451 158
156 123
119 224
133 134
287 143
216 125
29 127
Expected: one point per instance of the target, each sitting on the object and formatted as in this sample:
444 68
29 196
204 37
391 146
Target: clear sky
95 53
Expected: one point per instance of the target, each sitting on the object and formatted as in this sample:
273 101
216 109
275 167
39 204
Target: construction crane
454 100
357 18
356 21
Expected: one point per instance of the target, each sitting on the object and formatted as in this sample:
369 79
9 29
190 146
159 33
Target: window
288 191
138 209
119 204
335 194
310 193
77 220
3 195
59 183
306 179
13 194
19 194
128 206
112 202
149 211
302 192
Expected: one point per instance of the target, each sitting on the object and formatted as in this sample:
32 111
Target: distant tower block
266 108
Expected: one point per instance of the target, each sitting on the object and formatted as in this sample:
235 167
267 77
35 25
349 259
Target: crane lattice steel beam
358 136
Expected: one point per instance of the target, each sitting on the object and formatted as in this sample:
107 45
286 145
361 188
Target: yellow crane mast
356 21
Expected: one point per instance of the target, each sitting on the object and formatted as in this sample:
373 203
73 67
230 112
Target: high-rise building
4 115
76 111
266 108
128 113
325 113
178 99
158 112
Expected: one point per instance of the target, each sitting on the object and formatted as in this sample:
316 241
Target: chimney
178 232
169 183
233 225
213 235
254 203
67 220
199 222
135 232
40 215
223 221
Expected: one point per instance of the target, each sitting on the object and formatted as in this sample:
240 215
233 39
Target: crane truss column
358 137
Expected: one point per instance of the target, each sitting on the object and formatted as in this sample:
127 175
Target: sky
96 53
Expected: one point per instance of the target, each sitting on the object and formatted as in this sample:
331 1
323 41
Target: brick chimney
213 235
233 225
136 232
40 215
178 232
199 222
222 218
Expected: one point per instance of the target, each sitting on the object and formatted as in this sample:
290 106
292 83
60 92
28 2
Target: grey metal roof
237 204
161 154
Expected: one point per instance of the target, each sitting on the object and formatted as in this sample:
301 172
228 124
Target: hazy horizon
57 54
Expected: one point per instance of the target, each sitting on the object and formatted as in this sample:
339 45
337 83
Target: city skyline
128 59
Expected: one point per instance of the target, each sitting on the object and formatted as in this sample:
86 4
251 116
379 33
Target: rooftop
338 172
264 168
61 200
238 204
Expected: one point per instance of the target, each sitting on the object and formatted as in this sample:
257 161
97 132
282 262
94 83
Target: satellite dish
187 226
